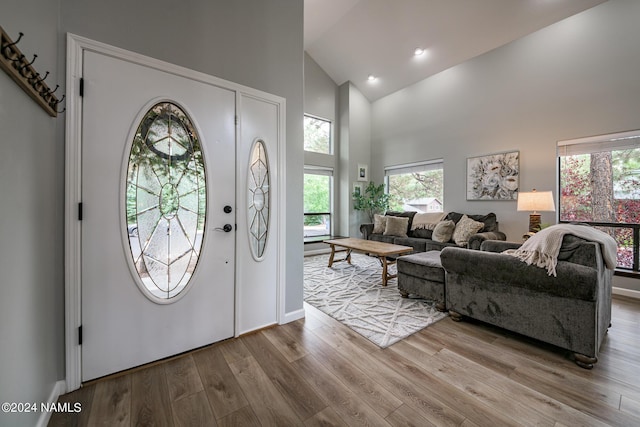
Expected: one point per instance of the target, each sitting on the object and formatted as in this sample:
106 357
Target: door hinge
236 120
80 335
81 86
80 211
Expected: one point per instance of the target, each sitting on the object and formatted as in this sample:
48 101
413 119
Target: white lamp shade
536 201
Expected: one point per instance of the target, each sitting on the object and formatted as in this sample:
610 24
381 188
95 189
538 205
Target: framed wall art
363 172
494 176
358 189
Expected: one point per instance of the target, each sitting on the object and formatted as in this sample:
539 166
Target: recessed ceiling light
372 78
418 51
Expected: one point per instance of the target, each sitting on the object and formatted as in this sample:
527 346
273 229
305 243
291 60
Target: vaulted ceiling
352 39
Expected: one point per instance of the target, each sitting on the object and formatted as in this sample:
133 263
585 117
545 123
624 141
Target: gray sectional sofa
421 239
571 310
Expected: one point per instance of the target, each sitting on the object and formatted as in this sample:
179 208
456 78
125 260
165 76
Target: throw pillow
465 228
379 224
443 231
426 220
396 226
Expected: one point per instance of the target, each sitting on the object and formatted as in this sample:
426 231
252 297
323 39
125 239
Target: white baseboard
293 316
59 388
317 252
626 292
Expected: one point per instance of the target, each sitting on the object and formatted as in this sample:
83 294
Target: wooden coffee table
380 249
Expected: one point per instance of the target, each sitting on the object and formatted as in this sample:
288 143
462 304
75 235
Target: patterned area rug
354 295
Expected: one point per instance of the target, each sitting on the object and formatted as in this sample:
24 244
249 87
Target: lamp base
534 223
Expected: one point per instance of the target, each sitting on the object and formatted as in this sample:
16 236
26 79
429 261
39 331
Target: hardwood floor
317 372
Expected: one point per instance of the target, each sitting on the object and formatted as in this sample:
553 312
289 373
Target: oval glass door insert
165 201
258 199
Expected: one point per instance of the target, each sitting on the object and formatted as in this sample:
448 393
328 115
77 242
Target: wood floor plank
358 379
83 396
244 417
193 410
630 406
223 390
296 391
233 350
414 394
352 409
405 416
282 341
265 399
150 403
111 404
182 377
328 417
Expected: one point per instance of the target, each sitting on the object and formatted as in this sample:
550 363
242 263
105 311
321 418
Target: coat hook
45 77
53 91
20 34
63 110
61 99
28 64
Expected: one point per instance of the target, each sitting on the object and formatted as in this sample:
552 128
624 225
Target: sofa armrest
366 230
498 245
476 240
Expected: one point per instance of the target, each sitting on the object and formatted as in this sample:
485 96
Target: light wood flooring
317 372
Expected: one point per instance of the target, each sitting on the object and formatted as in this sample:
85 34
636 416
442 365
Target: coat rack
21 70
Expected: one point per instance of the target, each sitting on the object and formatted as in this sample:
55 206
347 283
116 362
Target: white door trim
76 46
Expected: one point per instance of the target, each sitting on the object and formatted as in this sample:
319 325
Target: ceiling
351 39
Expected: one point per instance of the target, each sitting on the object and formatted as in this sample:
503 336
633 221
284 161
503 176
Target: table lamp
535 201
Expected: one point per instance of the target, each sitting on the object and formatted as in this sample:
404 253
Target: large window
416 187
600 185
317 202
317 135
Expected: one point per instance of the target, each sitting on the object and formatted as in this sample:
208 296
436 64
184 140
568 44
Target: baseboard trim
59 388
626 292
317 252
293 316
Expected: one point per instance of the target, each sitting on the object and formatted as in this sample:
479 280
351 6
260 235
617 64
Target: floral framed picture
494 176
358 189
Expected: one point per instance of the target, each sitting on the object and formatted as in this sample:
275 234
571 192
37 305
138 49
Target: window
165 201
416 187
600 185
317 135
318 183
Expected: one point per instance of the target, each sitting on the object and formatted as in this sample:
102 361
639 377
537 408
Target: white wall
355 149
251 42
576 78
31 221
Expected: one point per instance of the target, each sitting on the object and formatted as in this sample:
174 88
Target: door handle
226 228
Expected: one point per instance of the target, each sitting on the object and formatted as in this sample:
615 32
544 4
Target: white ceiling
351 39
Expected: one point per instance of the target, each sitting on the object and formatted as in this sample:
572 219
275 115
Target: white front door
138 307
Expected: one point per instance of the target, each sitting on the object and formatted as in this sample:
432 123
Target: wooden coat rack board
18 67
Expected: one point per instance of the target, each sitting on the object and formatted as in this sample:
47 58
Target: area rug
354 295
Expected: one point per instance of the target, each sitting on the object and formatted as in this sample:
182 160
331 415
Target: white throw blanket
542 248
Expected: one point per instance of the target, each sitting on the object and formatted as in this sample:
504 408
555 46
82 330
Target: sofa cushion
465 228
443 231
418 245
421 233
382 238
406 214
489 220
396 226
425 265
379 223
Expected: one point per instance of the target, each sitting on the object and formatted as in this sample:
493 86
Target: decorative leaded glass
258 199
165 201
